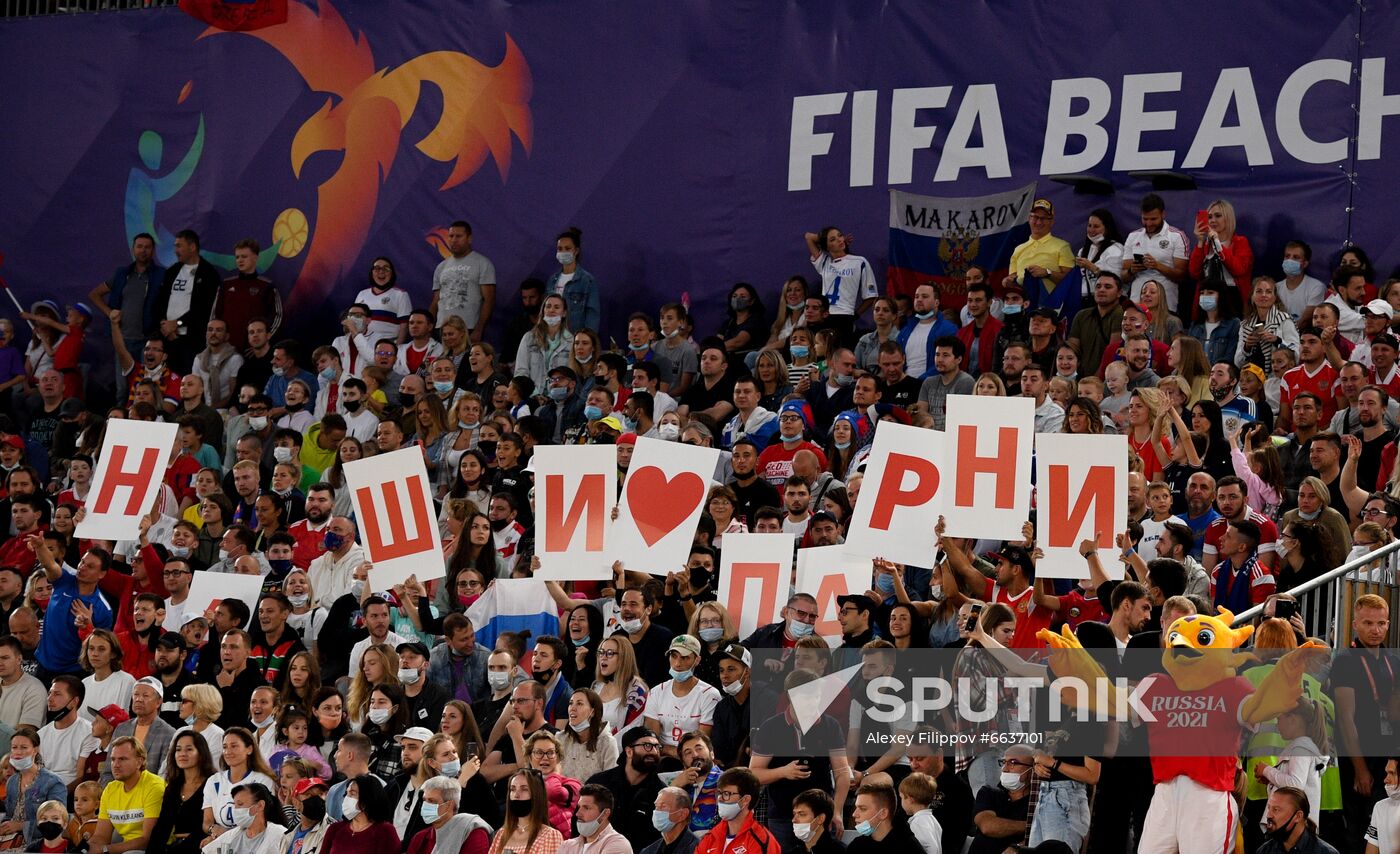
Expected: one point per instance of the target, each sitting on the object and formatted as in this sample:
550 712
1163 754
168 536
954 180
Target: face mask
520 808
581 726
552 320
1310 516
884 582
468 426
669 432
1392 792
588 828
350 807
542 676
327 374
408 676
50 829
1358 552
798 351
1280 834
357 588
1011 782
179 551
660 819
281 565
295 407
429 811
1292 267
924 315
865 828
639 348
629 425
332 540
682 675
487 447
1096 239
583 641
379 717
242 817
313 809
282 455
499 524
259 724
443 386
711 635
299 600
733 688
844 380
468 601
452 768
739 303
798 629
189 721
351 406
277 372
257 422
802 831
499 679
557 393
223 554
564 258
841 446
1011 309
22 764
1208 302
728 812
631 627
592 413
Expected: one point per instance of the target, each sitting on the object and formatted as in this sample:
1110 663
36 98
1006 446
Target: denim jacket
581 296
1221 345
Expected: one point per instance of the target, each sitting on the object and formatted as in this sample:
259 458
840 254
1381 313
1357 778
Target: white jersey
845 281
1384 830
386 311
681 715
1168 246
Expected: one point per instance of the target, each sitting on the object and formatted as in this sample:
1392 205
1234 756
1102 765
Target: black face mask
50 829
519 808
499 524
294 407
1281 834
487 447
351 405
57 715
313 809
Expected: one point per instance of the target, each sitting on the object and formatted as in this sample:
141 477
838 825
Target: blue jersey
59 644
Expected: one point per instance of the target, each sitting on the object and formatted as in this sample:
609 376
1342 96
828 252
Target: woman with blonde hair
30 786
1314 505
1187 359
200 705
1221 255
1266 327
791 315
526 829
989 385
711 623
463 429
430 426
108 683
1162 325
1175 393
619 686
771 371
379 664
307 617
1146 435
456 340
548 344
582 357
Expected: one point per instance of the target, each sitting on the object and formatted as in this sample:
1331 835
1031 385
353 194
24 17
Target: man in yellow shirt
130 803
1042 262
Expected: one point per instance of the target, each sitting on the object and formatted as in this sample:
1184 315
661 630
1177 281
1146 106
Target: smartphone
1284 608
1202 221
471 749
972 618
1137 256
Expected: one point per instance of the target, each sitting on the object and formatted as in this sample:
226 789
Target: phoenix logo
364 116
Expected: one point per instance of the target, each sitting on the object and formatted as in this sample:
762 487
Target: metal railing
34 8
1324 603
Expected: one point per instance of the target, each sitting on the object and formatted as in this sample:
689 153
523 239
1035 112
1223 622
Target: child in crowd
916 795
52 821
86 798
1115 378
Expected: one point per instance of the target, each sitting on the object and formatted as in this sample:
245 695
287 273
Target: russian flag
937 239
514 605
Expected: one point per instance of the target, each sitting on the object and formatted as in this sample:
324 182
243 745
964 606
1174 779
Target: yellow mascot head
1202 650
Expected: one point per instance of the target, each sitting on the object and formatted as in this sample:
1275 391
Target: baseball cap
190 617
611 422
1257 371
414 733
14 442
171 640
1380 307
1043 205
564 371
1014 555
823 516
1044 311
627 439
737 652
1013 288
860 600
84 309
687 644
303 786
70 408
1387 339
111 713
417 646
151 682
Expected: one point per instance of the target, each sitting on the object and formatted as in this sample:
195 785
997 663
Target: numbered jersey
845 281
1206 723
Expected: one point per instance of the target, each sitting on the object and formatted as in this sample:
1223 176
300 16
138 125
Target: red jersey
1029 619
775 463
15 551
179 476
1320 382
1076 608
68 496
168 380
1197 722
1268 535
245 298
1390 382
65 361
311 542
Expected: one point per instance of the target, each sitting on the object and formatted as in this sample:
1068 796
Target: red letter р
892 493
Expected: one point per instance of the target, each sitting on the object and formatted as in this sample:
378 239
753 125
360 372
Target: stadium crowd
1257 396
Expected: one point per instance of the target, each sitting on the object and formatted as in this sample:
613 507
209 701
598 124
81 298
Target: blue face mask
592 413
924 315
583 641
682 675
711 635
1209 302
429 811
661 820
1292 266
639 348
281 565
327 374
865 828
333 541
884 582
1011 309
841 446
452 768
798 351
629 425
845 379
558 392
442 386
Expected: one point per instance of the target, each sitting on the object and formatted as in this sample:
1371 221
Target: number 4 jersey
1205 725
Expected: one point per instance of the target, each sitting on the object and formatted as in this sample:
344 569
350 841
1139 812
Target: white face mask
379 717
631 626
242 817
669 432
350 807
257 422
282 455
408 676
1011 782
1392 792
1358 552
499 679
733 688
588 828
299 600
803 831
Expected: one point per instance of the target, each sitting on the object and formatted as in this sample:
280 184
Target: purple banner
693 143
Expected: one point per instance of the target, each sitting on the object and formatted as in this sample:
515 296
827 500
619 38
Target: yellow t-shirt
1049 251
128 810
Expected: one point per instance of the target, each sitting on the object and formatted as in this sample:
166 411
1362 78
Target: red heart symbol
658 503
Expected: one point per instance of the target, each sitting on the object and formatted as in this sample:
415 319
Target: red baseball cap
308 783
112 714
